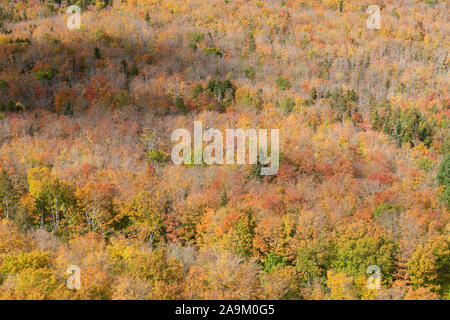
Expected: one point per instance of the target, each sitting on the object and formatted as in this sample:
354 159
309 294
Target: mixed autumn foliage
85 171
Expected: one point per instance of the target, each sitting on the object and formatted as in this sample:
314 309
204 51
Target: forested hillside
86 179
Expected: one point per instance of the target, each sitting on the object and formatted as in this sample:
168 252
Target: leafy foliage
86 179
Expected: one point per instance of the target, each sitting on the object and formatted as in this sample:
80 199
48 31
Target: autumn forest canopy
86 176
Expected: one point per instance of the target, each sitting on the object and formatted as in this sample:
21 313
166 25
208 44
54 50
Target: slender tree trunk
7 207
87 217
93 218
55 217
42 219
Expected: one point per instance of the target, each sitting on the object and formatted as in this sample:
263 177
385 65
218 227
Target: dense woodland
86 177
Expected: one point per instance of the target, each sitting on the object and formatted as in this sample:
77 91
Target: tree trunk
7 207
42 219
